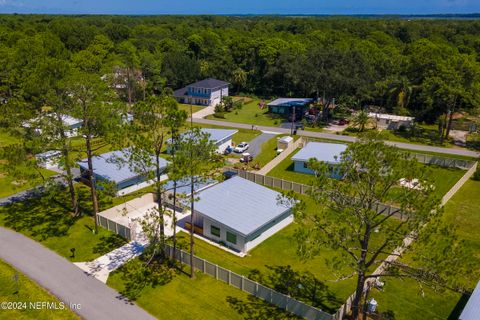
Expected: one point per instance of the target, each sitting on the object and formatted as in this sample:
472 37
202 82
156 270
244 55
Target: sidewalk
101 267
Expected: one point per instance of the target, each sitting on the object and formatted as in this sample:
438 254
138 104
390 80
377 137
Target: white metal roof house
71 124
49 159
391 121
112 166
471 311
240 214
207 92
329 153
221 137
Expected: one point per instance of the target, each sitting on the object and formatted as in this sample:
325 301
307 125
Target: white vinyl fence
254 288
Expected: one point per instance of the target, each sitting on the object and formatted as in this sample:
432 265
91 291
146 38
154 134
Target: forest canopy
417 67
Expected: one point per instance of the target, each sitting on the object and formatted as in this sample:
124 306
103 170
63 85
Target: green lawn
252 114
49 222
10 185
444 178
463 212
6 138
184 298
188 108
278 250
284 170
16 287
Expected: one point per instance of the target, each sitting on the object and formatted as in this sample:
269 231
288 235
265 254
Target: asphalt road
63 279
322 135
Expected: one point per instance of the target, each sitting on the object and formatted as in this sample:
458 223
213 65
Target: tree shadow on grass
137 275
254 308
301 285
40 217
108 243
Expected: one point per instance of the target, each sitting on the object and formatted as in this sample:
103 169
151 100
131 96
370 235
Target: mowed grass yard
16 287
184 298
49 221
252 114
463 212
188 108
444 178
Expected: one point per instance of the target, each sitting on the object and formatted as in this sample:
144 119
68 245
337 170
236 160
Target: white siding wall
223 145
216 96
207 223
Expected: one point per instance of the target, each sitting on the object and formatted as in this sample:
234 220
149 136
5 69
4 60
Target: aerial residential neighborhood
240 160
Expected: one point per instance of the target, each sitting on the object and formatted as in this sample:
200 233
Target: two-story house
207 92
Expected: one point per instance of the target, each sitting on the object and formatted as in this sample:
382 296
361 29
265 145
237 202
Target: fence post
241 284
281 184
256 289
229 277
216 272
204 266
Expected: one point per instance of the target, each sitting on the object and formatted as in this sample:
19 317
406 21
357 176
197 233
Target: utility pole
293 121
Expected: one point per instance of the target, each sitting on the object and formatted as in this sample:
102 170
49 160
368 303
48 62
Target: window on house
215 231
305 165
232 238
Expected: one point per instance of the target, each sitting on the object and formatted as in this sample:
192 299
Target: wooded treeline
423 67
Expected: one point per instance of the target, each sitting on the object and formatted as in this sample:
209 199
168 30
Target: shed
49 159
112 166
284 142
471 311
329 153
240 214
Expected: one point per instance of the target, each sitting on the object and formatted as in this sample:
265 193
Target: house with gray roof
330 153
222 138
113 167
286 107
207 92
240 214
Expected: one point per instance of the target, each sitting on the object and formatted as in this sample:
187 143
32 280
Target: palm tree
399 93
361 120
239 78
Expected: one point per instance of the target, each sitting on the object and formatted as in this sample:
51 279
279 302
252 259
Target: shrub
219 115
275 122
476 175
218 108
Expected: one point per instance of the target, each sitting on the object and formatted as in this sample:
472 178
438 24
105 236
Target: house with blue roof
471 311
222 138
113 167
240 214
286 107
329 153
207 92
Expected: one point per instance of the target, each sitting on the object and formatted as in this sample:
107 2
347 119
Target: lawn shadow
108 243
256 309
40 217
455 314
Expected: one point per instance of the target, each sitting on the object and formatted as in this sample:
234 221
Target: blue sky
240 6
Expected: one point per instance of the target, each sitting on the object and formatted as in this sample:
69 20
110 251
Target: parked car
343 122
242 147
246 157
